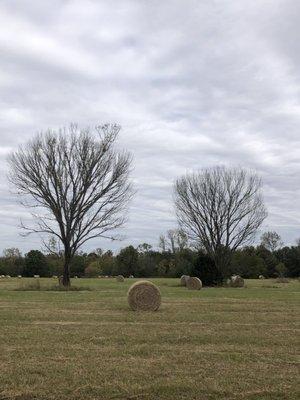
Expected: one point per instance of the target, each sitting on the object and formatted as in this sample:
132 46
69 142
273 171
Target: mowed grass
217 343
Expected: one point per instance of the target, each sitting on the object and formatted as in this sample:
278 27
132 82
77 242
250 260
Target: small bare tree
77 182
221 209
271 241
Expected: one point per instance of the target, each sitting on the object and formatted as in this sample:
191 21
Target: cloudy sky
193 84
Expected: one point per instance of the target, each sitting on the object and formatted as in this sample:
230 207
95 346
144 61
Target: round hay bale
120 278
237 281
193 283
144 296
183 280
261 277
19 276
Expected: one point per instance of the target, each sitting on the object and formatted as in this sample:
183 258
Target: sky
193 84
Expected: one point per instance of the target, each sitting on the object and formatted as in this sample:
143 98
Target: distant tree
175 240
247 264
271 241
269 258
144 248
79 182
290 256
281 269
127 261
35 264
12 252
221 209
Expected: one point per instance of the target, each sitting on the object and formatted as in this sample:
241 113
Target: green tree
127 261
36 264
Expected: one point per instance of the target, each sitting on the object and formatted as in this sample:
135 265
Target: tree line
78 186
174 258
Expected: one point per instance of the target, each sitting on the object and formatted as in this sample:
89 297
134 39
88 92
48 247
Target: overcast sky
193 84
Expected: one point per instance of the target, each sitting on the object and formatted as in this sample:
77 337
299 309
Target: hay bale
183 280
60 280
144 296
237 281
54 277
19 276
261 277
36 276
120 278
131 276
75 277
193 283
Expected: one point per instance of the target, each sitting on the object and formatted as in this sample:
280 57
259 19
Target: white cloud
193 84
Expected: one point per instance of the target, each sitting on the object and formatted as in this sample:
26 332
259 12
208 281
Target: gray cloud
193 84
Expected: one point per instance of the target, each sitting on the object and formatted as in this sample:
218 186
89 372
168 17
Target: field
217 343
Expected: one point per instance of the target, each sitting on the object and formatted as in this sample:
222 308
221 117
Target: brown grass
217 343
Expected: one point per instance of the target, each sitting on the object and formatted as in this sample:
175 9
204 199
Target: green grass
217 343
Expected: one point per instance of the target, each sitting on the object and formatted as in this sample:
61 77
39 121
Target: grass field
217 343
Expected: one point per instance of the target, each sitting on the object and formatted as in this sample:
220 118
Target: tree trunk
222 260
66 273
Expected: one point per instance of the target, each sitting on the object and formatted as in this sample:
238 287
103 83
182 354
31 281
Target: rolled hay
131 276
236 281
19 276
261 277
36 276
193 283
120 278
183 280
144 296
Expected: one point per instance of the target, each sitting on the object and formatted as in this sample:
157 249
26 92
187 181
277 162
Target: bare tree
221 209
175 240
77 182
271 241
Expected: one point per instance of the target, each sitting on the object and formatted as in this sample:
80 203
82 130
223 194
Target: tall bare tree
220 209
77 182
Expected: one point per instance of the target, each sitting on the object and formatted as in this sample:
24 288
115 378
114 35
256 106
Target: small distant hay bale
7 276
36 276
120 278
261 277
236 281
193 283
131 276
19 276
183 280
54 277
76 277
144 296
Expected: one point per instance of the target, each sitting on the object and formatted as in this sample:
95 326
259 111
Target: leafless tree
175 240
271 240
77 182
221 209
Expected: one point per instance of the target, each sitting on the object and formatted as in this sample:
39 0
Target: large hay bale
144 296
120 278
184 279
193 283
237 281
